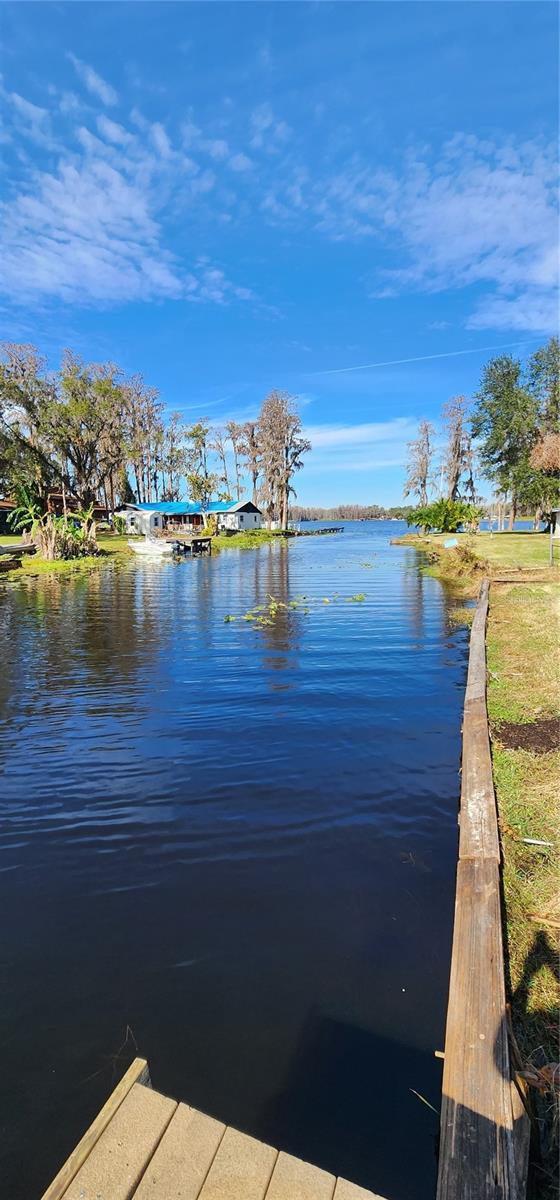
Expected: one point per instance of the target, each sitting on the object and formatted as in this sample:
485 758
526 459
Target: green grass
523 687
522 652
113 548
522 550
248 540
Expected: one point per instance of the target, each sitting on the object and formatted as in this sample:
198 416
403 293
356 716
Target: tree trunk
284 507
512 513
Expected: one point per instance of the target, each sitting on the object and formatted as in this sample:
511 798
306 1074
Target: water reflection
238 841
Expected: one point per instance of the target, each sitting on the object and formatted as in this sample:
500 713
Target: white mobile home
168 516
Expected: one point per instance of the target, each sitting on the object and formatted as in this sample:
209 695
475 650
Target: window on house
241 518
156 521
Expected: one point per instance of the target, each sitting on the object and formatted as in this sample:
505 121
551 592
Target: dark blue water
232 847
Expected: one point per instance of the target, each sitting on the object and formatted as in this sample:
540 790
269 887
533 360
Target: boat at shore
155 547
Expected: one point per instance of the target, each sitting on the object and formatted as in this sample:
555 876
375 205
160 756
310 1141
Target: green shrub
446 516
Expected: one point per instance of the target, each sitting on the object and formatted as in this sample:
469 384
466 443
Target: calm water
234 848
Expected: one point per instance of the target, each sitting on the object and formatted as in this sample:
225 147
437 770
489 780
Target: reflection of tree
283 636
413 586
101 625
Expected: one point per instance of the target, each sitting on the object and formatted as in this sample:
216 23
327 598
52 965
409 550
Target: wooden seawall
484 1127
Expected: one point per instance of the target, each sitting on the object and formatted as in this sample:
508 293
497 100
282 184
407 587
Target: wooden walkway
484 1126
143 1146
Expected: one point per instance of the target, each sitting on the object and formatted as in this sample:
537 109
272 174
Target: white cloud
240 162
368 433
113 132
370 446
161 140
90 231
217 148
93 82
31 120
85 235
212 284
480 213
266 131
532 311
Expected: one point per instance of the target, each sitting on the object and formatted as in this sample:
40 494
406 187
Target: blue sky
235 197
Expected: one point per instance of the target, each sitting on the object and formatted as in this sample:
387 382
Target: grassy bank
112 548
475 555
249 540
523 709
523 702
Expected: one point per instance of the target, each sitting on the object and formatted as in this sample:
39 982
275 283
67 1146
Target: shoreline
523 718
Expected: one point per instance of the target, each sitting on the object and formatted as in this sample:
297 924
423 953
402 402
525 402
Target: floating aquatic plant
263 615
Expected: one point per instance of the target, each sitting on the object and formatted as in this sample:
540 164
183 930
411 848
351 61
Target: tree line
350 512
509 434
100 435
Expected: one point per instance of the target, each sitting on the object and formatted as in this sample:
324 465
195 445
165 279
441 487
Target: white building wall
240 521
138 521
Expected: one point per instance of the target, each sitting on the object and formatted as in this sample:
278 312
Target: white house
168 516
240 516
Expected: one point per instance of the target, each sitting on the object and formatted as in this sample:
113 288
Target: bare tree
419 465
249 447
235 435
282 449
218 445
458 457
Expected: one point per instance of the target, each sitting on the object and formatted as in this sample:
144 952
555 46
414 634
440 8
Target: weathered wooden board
293 1179
477 1150
476 1159
478 824
476 676
116 1163
137 1073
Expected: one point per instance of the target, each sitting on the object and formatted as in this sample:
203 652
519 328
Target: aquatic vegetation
262 615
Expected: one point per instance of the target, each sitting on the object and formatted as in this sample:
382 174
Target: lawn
523 700
522 550
113 548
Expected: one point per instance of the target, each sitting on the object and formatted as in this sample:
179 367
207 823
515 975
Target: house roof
179 508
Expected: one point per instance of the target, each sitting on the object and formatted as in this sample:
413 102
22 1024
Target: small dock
191 545
317 532
144 1146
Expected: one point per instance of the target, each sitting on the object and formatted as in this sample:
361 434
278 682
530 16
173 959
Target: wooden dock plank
116 1163
293 1179
345 1190
183 1158
241 1169
137 1073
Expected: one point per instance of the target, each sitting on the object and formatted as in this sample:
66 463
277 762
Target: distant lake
238 844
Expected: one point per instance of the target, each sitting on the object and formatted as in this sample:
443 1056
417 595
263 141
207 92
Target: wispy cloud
471 215
479 213
240 162
31 120
372 445
93 82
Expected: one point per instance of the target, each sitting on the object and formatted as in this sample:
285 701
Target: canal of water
232 848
